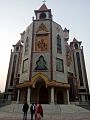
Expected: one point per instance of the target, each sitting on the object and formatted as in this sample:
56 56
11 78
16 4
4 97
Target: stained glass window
59 50
59 65
79 68
26 46
13 69
25 66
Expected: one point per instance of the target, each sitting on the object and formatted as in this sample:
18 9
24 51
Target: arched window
26 46
59 65
76 46
79 68
59 49
25 66
13 69
17 48
42 15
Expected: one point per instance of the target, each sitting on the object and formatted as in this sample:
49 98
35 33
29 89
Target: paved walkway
61 116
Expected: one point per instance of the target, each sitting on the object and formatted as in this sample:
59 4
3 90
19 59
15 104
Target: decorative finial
44 1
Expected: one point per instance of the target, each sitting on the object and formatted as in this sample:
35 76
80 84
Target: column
18 95
9 97
28 95
68 96
52 95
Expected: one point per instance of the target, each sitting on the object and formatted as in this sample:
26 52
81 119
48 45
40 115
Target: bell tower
80 69
41 52
43 13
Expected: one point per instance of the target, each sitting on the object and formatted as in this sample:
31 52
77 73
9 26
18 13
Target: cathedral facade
44 67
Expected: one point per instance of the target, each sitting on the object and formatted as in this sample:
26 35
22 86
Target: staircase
51 112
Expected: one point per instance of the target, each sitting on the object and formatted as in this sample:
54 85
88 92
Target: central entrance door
43 95
60 99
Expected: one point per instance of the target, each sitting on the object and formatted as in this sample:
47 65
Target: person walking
36 108
39 112
32 110
25 109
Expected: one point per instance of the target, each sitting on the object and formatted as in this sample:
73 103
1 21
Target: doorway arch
43 95
60 97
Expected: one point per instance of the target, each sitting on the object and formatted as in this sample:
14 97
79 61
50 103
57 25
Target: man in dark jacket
25 109
32 110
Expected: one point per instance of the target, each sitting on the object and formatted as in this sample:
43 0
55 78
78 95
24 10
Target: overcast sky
16 15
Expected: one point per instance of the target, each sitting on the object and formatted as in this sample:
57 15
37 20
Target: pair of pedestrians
36 110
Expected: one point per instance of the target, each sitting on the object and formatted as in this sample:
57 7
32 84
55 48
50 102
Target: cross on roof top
44 1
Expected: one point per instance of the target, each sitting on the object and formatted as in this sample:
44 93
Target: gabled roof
18 43
43 7
75 40
65 30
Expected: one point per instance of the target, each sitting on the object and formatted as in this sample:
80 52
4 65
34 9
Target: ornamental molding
48 83
42 28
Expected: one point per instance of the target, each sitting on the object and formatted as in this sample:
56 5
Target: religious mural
41 42
41 64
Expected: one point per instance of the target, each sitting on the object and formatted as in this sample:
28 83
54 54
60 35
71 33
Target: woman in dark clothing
25 109
32 111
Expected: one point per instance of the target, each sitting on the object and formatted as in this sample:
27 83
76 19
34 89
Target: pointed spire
43 7
18 43
65 30
75 40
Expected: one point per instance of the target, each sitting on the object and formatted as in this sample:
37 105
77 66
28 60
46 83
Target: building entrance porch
43 95
44 91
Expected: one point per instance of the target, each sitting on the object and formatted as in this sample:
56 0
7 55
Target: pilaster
52 95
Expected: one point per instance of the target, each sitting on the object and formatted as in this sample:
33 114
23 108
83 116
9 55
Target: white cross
44 1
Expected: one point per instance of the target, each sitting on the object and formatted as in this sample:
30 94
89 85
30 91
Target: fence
4 102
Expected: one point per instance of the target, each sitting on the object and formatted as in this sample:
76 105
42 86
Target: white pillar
9 97
28 95
18 95
52 95
68 96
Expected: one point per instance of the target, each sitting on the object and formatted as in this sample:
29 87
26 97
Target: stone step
48 108
51 112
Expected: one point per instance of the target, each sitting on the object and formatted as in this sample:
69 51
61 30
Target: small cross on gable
44 1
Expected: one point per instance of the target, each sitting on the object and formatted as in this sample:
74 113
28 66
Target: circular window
42 15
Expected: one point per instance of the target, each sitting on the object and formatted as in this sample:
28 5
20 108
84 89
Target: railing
85 105
4 102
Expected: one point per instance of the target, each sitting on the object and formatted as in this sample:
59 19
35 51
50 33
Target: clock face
42 15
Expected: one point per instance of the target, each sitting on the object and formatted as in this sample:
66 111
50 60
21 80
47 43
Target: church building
44 67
